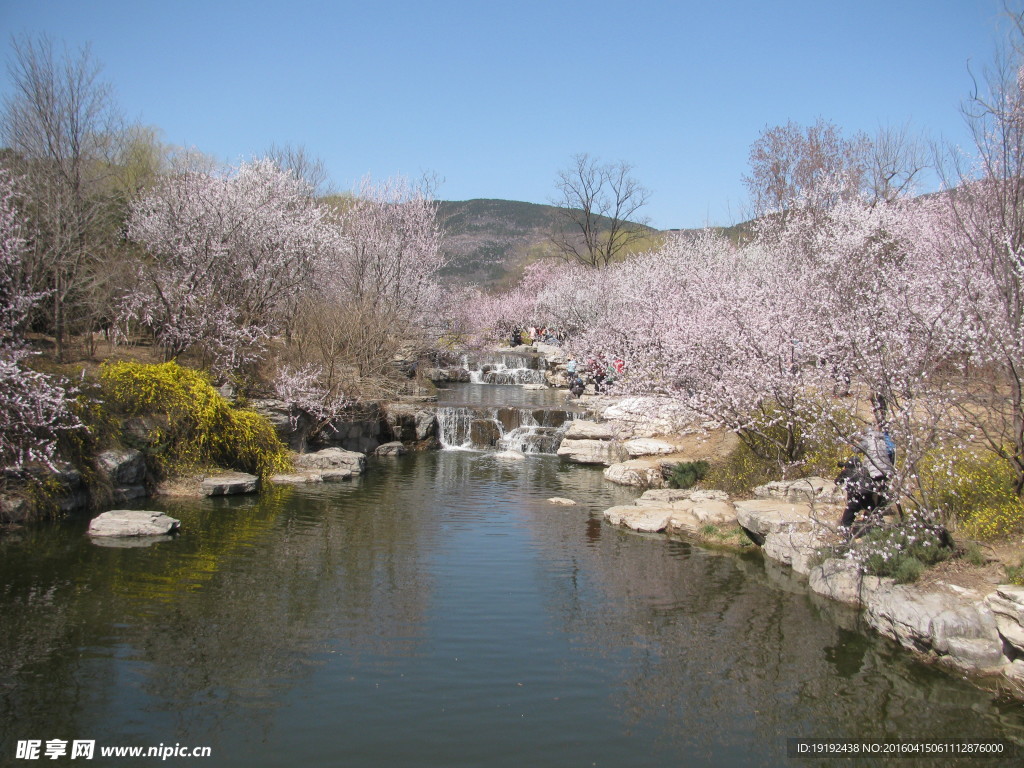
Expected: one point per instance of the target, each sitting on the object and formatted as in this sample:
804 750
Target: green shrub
686 473
189 425
908 570
901 551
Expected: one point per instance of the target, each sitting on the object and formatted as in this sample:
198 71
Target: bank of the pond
979 632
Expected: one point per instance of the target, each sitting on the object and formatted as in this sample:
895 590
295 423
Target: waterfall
528 430
505 368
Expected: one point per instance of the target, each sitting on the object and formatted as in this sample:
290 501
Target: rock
590 451
807 490
671 495
132 522
298 478
647 519
554 355
648 416
928 620
759 518
126 467
535 387
841 580
336 475
647 446
709 511
394 448
230 484
581 429
291 424
1007 606
561 501
129 492
333 459
980 654
14 509
786 532
425 424
642 473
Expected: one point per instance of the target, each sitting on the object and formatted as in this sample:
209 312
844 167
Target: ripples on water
440 612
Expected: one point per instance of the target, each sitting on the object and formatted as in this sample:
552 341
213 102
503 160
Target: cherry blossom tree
227 253
373 296
33 407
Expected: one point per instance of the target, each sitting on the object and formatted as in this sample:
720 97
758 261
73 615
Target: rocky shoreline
977 632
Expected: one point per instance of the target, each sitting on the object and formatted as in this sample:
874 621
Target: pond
439 611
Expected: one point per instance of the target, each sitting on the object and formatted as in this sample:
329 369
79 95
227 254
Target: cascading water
528 430
489 414
505 368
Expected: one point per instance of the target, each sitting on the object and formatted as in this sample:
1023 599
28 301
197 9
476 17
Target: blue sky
495 97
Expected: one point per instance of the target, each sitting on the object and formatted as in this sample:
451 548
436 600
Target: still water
439 611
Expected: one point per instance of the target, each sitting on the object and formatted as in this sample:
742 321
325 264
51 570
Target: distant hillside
490 241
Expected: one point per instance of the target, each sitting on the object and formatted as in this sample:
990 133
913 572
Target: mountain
488 242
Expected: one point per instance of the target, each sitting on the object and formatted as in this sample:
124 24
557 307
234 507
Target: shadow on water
440 611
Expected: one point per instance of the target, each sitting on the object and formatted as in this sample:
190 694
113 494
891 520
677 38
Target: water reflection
441 611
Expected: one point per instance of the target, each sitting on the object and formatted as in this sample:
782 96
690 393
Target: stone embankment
979 632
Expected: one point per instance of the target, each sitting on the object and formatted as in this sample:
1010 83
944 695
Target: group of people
533 334
597 370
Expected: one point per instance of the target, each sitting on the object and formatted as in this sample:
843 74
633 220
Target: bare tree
297 161
813 168
63 129
599 207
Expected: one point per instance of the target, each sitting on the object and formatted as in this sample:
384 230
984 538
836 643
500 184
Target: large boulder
1007 606
590 451
332 459
123 467
581 429
229 484
691 516
132 522
646 519
787 533
951 625
840 579
647 446
641 473
808 490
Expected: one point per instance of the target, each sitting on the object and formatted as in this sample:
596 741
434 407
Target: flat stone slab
806 490
647 446
765 516
647 519
590 451
560 501
230 484
132 522
511 455
298 478
581 429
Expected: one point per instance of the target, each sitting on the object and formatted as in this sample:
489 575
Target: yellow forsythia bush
190 425
977 491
